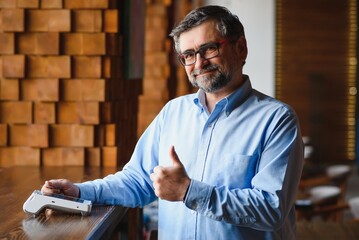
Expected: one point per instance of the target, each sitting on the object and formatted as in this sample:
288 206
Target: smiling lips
203 71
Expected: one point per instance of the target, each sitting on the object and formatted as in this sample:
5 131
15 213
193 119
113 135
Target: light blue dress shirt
244 160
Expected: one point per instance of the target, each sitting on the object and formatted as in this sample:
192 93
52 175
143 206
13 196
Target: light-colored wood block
87 67
44 112
83 90
106 135
19 156
84 43
33 135
1 75
12 19
109 156
9 89
72 135
7 3
49 20
38 43
15 112
78 112
40 89
111 21
27 3
51 4
86 4
13 66
94 43
63 157
7 43
87 20
93 157
1 28
110 139
49 67
3 134
6 157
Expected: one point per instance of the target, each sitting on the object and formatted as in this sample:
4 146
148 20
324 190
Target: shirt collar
233 100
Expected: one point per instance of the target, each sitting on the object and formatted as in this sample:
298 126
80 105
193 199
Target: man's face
212 74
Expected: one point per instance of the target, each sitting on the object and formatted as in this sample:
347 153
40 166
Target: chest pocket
233 171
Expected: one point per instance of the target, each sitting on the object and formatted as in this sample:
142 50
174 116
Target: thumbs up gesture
171 183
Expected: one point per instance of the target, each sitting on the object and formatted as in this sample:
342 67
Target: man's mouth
204 71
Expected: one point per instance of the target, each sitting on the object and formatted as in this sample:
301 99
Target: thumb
175 160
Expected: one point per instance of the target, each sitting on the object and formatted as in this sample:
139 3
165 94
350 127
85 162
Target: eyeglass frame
201 50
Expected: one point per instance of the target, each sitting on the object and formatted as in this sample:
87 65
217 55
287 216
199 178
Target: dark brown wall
315 72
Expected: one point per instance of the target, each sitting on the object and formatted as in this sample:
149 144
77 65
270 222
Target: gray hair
228 24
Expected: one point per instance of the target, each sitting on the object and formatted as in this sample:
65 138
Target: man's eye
188 55
210 49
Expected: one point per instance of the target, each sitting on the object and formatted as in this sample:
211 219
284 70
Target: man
225 162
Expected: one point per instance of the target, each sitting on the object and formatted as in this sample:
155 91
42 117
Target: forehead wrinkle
199 35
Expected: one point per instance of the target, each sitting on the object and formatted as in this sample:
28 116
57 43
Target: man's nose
199 60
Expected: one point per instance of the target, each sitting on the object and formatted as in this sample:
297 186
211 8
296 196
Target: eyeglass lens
207 51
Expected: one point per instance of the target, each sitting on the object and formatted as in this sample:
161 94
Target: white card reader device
38 201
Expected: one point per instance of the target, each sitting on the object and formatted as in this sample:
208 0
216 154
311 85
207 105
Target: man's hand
171 183
61 186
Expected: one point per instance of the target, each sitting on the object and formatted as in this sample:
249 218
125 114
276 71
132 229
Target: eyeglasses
206 51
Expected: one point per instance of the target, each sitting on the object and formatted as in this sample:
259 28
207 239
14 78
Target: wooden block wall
157 67
63 100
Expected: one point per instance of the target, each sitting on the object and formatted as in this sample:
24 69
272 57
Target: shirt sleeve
271 197
131 187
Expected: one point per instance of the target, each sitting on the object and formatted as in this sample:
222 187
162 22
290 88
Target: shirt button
193 212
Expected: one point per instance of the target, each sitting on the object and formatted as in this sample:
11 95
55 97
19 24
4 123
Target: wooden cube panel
84 43
12 19
7 3
40 90
7 43
44 112
111 23
83 90
106 135
51 4
112 67
9 89
113 44
87 67
109 156
3 134
78 112
19 156
86 4
15 112
27 3
13 66
71 135
38 43
49 20
33 135
49 67
63 157
1 75
87 20
93 157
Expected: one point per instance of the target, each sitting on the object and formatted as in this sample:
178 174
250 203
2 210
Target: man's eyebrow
200 46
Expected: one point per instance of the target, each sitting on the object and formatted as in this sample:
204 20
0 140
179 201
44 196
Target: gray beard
210 83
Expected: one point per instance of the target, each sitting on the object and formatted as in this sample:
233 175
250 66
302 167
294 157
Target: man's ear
241 46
